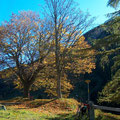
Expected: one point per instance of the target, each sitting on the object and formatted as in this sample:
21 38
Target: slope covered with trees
106 40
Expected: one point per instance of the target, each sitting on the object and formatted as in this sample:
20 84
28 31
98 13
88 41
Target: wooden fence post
91 111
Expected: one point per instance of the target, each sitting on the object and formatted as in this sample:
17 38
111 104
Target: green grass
48 109
105 116
18 115
25 114
39 109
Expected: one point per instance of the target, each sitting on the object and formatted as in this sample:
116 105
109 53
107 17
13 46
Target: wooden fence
92 107
107 108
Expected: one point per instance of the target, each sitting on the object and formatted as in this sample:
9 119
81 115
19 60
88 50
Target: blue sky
97 8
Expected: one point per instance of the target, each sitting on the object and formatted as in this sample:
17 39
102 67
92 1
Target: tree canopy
24 45
41 52
66 23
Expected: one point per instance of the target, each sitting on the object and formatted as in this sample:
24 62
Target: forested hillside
106 40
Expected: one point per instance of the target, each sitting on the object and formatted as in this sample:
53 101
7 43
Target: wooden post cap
87 81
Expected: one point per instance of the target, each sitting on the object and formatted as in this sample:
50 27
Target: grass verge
105 116
41 109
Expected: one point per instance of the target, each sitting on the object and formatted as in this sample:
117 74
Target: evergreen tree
113 3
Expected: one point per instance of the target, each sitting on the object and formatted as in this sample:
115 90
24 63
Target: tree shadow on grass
48 101
105 118
36 104
65 117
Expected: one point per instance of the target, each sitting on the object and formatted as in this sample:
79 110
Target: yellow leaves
48 32
43 35
83 65
61 26
15 41
61 48
52 84
83 58
81 43
53 43
64 30
7 73
82 38
67 18
50 59
45 62
74 27
35 24
1 28
42 26
67 34
80 32
77 36
67 67
53 33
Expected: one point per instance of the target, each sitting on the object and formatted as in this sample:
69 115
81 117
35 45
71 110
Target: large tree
23 47
66 23
75 59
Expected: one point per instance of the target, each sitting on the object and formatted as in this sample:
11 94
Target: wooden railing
107 108
92 107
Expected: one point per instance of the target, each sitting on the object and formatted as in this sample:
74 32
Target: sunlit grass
18 115
41 109
48 109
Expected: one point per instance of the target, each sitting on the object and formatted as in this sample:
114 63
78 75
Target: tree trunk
59 93
26 91
57 55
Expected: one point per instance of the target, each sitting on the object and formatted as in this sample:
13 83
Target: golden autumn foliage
75 57
66 22
40 51
23 48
